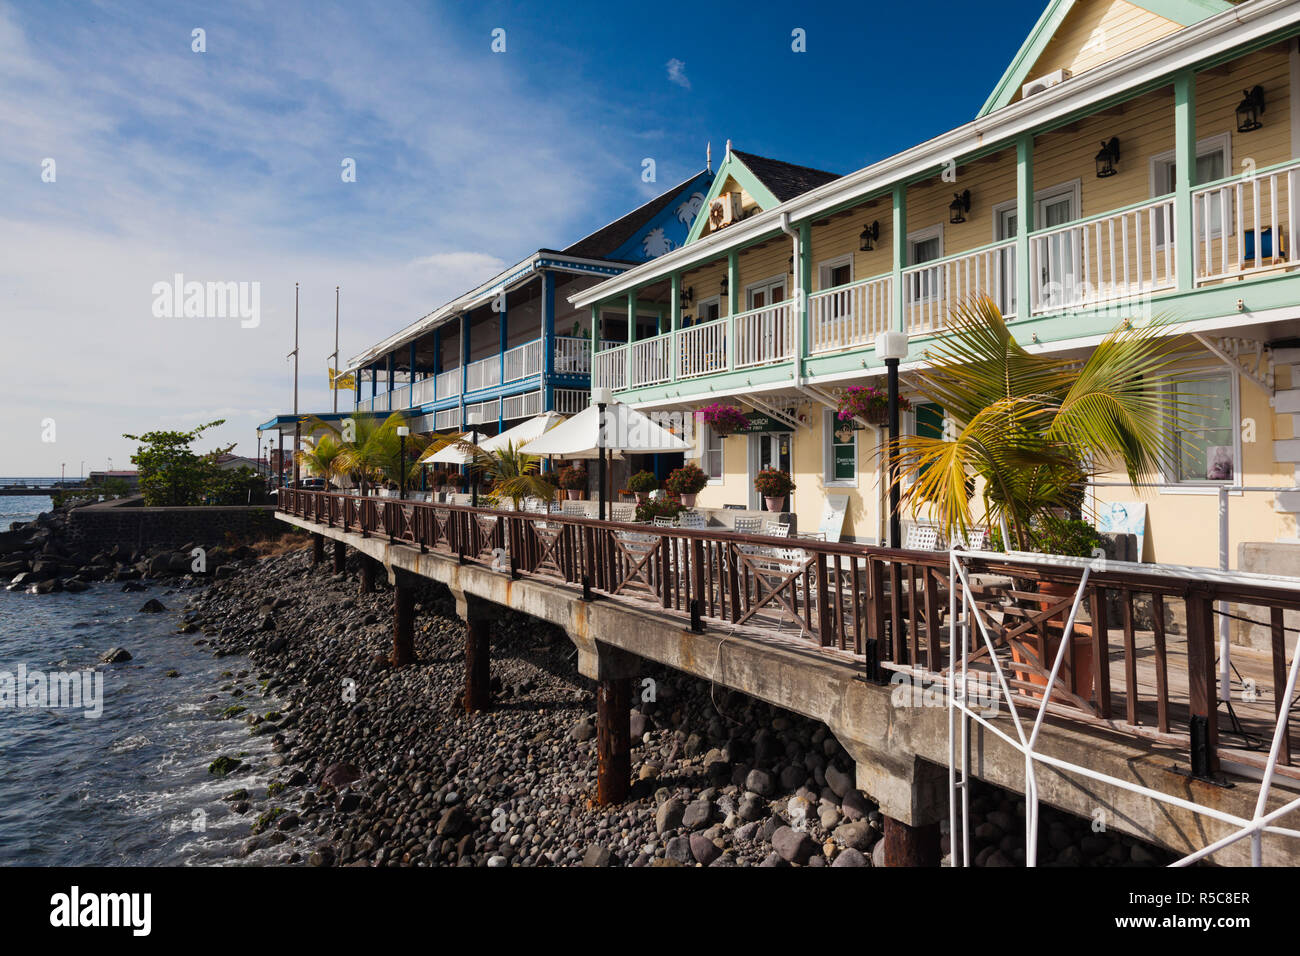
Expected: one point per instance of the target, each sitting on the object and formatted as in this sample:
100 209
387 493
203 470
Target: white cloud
677 73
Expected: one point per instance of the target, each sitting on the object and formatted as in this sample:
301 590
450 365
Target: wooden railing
609 368
932 289
1259 211
702 349
652 360
887 608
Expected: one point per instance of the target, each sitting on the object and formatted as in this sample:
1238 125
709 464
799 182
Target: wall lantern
688 295
869 235
960 204
1249 111
1107 158
723 286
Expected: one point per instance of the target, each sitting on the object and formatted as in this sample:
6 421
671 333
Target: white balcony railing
609 368
850 316
524 405
570 401
764 336
702 349
1259 211
931 290
365 405
485 373
572 356
447 418
652 360
447 383
523 361
422 392
400 398
1121 255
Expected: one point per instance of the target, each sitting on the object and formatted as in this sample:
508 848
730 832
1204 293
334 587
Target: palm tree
322 456
1034 427
513 474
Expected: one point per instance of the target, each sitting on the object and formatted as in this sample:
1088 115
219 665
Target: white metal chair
812 535
663 521
622 512
575 508
692 519
976 539
775 529
748 525
921 537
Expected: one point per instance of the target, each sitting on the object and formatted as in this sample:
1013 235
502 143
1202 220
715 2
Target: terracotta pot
688 501
575 494
774 504
1083 683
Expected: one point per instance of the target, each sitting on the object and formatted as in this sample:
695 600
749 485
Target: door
769 450
1057 269
762 337
1005 294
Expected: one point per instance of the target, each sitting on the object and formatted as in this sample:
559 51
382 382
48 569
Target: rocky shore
381 767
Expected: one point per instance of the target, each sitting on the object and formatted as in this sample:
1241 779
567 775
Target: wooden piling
478 664
613 739
403 622
907 845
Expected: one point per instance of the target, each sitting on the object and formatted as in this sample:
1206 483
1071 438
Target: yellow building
788 274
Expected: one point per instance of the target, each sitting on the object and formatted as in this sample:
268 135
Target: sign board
758 422
833 511
1124 517
844 453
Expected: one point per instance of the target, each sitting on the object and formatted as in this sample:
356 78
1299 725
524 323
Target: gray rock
760 782
153 606
582 730
838 781
850 857
669 815
703 849
679 849
878 853
698 813
597 855
858 835
115 655
794 846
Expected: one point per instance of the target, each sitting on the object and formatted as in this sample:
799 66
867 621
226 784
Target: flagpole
334 378
297 426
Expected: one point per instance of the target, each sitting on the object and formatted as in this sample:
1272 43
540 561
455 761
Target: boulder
115 655
153 606
794 846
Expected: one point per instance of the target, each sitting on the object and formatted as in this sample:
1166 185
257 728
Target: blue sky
225 166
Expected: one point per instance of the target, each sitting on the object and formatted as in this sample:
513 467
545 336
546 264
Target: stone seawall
126 523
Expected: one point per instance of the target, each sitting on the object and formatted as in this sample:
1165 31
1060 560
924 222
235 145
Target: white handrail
849 315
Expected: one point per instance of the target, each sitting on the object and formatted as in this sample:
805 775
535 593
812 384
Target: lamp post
892 347
402 432
600 397
473 472
63 474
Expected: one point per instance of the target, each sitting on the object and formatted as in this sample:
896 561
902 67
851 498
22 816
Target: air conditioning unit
724 210
1044 83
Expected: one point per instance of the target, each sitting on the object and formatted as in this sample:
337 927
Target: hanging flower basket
723 419
867 402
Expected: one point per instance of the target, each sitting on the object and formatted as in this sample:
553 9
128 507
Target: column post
1184 178
1024 302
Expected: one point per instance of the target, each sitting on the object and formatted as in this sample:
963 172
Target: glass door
771 450
1005 294
1056 265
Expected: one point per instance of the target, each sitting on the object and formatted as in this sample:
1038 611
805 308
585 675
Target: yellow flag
342 382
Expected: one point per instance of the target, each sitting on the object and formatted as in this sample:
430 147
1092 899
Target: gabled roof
769 181
608 241
784 180
1182 12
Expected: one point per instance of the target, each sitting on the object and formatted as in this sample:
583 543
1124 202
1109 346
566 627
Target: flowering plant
642 482
573 478
866 402
690 479
773 483
722 418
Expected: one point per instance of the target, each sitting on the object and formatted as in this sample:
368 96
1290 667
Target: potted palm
1029 429
774 485
573 479
509 473
641 484
686 482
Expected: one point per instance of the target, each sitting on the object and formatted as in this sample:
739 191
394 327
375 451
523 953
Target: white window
765 293
839 451
834 273
925 245
711 461
1213 162
1205 442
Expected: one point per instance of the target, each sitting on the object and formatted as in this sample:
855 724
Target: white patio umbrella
589 434
523 432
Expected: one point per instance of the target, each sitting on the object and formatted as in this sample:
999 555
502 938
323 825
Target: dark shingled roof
785 180
601 243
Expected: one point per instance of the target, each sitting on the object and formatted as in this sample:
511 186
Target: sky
128 157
